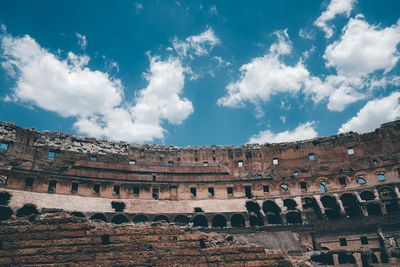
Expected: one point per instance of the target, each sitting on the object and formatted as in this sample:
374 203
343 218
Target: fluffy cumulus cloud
302 132
335 7
69 88
364 49
81 40
373 114
266 76
198 45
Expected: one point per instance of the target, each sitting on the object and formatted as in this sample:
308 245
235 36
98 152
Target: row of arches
236 220
329 207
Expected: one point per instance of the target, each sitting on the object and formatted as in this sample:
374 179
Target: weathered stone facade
335 198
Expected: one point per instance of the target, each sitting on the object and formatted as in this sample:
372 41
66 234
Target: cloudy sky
200 72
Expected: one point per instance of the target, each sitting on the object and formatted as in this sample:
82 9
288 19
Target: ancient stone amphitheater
327 201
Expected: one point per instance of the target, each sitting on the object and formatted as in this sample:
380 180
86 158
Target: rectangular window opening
93 158
266 189
96 189
275 162
116 190
211 191
295 174
52 186
205 164
247 190
74 187
155 193
311 157
381 177
193 192
51 155
29 182
350 151
136 190
132 162
342 181
303 185
229 191
364 240
343 241
361 180
170 163
240 164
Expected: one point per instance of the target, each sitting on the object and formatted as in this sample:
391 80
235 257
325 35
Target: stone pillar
357 256
378 256
279 202
396 190
376 193
335 259
340 204
260 204
228 223
358 197
321 206
299 204
283 216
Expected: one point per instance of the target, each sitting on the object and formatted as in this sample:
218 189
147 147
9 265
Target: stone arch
309 203
200 221
99 216
293 217
5 213
291 204
4 198
182 219
26 210
120 218
332 210
373 209
78 214
255 216
140 218
350 205
388 197
161 218
237 220
272 212
219 221
367 195
374 258
323 258
346 258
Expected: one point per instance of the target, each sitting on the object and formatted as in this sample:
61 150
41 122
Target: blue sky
200 72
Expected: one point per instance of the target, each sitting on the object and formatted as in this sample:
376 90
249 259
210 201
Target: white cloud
266 76
81 40
306 34
335 7
302 132
139 7
198 45
364 49
69 88
213 10
373 114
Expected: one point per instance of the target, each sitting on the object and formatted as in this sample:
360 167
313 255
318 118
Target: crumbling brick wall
59 239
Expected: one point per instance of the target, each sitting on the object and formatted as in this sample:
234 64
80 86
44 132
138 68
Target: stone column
339 201
378 256
357 256
335 259
321 206
358 197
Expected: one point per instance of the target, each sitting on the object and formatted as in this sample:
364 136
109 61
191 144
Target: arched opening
272 211
118 219
332 210
290 204
255 216
140 219
373 209
293 217
27 209
182 219
367 195
374 258
99 216
160 218
351 205
78 214
309 204
200 221
389 198
237 220
4 198
346 258
5 213
219 221
323 259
